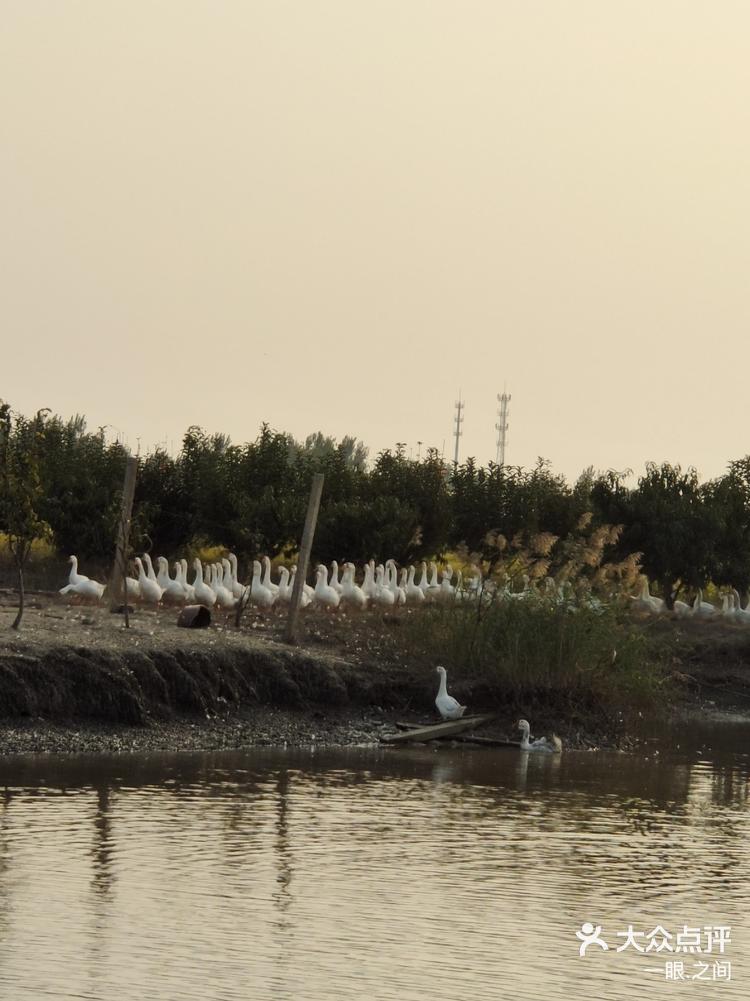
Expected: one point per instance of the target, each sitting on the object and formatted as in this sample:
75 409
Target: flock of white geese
218 584
731 607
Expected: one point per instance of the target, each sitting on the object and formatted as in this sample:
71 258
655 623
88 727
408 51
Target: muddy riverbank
74 679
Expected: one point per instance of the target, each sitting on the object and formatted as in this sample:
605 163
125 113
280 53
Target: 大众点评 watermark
691 940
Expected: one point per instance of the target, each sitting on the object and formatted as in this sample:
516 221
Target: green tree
21 492
671 523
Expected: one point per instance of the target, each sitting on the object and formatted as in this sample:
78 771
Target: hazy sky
333 214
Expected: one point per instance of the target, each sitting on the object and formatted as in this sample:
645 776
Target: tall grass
566 637
540 651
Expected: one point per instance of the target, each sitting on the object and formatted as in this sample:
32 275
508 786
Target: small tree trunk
21 594
242 603
667 587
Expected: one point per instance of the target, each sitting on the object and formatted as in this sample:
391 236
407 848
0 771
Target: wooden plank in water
436 730
470 738
466 738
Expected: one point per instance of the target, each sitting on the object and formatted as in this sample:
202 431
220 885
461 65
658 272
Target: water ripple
364 874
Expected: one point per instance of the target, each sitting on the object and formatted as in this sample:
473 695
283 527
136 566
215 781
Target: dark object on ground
194 617
120 610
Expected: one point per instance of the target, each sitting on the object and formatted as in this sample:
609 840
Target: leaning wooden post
117 580
313 506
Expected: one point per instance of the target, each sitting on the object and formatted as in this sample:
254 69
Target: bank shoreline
75 681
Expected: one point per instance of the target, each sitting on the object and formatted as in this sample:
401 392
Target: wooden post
313 506
117 580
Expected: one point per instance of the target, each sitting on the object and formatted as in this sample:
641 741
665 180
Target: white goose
383 594
647 602
237 589
351 593
368 584
446 705
260 595
224 597
392 584
703 609
151 590
149 567
172 590
85 589
74 577
204 594
324 594
285 590
182 574
741 614
267 582
334 578
541 745
414 593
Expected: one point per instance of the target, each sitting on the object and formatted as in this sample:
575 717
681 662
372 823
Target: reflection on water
368 873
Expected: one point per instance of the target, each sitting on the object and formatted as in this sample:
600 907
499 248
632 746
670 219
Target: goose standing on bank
260 595
324 594
741 614
266 581
541 745
703 609
172 589
351 593
447 706
238 589
414 593
224 597
334 581
647 602
204 595
285 590
151 590
74 577
89 589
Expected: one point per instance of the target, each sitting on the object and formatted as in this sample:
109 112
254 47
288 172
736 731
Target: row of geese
218 584
731 606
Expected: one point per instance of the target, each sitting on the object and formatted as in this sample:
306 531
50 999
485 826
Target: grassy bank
540 656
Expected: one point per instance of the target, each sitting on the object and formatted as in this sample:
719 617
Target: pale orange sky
332 214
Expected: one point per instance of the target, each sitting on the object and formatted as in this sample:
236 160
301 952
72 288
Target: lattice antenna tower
458 421
502 426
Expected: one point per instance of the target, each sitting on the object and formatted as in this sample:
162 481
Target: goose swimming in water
446 705
554 747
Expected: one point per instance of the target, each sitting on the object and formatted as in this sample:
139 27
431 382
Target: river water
369 873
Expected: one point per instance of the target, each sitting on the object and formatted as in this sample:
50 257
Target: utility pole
502 426
458 420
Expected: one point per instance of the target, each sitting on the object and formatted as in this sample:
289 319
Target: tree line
62 481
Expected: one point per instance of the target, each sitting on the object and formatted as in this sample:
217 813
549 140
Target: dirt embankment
74 679
78 671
